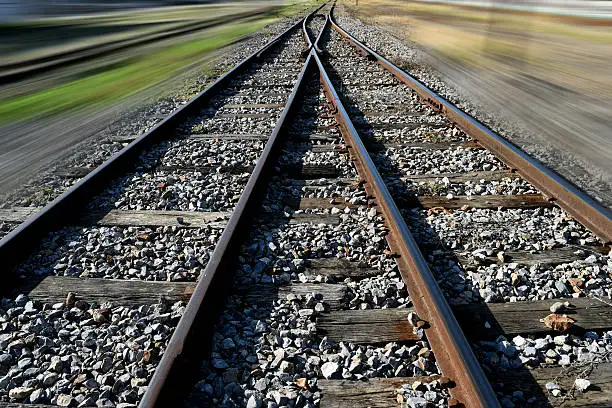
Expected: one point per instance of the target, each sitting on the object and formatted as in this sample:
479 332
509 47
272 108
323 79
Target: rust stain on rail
452 350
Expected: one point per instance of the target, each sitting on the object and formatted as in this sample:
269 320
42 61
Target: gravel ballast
575 355
478 233
269 353
162 253
402 187
178 190
76 353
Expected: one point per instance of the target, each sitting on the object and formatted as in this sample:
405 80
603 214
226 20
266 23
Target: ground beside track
541 81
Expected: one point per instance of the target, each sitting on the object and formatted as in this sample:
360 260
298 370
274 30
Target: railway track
315 229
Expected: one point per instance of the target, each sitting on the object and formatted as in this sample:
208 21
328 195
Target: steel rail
305 30
316 44
576 202
20 242
448 342
187 336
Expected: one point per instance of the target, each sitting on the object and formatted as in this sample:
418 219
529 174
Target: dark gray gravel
80 354
177 190
162 253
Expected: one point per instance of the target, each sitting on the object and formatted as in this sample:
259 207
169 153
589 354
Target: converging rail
316 228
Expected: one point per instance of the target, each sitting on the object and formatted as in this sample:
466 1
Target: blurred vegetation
125 78
100 83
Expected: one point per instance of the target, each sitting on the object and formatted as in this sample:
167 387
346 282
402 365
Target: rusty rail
305 30
452 350
191 332
576 202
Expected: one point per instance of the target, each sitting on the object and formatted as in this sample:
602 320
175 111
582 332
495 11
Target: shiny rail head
305 30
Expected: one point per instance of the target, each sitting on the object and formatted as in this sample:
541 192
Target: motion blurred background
542 69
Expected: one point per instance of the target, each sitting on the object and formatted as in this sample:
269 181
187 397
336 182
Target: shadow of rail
442 260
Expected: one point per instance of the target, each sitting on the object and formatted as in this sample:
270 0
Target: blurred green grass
131 75
128 77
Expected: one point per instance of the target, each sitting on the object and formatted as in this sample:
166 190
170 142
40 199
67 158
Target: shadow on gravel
251 302
442 260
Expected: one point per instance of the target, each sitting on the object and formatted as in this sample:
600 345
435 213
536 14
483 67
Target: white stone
329 369
582 384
